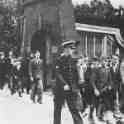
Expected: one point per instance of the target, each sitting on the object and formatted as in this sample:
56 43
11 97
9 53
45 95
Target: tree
100 13
8 25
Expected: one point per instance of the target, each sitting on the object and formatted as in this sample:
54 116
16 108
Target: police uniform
36 71
66 74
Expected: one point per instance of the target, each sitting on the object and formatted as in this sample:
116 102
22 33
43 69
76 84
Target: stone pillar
67 20
57 13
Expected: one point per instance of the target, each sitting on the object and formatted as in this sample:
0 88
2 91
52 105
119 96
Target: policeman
67 88
36 75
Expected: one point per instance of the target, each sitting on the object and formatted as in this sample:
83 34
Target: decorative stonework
53 15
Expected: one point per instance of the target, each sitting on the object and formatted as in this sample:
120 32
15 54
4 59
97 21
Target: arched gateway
41 40
45 24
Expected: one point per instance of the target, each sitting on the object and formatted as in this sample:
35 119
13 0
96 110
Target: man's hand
66 87
81 82
31 78
97 93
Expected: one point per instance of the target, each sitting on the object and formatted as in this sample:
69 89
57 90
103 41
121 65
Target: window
95 44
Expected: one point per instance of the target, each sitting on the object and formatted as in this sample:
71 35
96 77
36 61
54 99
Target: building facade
99 41
45 24
52 17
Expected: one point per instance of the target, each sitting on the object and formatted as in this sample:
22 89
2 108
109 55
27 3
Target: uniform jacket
36 68
66 66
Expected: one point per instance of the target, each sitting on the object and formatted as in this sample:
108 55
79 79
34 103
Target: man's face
37 55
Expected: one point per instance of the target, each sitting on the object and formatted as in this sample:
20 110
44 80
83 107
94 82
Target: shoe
39 101
101 119
33 101
20 94
91 121
118 115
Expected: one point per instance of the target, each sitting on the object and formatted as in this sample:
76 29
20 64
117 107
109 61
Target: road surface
21 110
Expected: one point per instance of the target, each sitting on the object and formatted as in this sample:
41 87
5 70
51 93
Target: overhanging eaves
101 29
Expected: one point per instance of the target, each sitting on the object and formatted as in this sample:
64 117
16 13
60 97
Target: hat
69 43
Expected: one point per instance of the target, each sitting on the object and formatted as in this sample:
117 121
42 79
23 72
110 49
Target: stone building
99 41
52 17
45 24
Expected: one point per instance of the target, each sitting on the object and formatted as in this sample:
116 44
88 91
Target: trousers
69 97
37 89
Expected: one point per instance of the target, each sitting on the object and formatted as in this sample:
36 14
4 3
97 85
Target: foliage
8 26
100 13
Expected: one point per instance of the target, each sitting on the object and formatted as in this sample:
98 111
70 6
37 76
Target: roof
101 29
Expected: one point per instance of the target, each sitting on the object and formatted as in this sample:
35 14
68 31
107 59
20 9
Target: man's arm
92 81
59 75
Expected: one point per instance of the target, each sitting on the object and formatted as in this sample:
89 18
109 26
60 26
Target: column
86 45
23 39
105 46
82 44
39 21
94 44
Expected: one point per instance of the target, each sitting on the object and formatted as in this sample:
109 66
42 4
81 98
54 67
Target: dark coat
2 68
36 68
66 73
101 78
67 68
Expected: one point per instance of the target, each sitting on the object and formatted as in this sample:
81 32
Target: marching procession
61 56
94 83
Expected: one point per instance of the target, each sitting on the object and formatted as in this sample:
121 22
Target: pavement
21 110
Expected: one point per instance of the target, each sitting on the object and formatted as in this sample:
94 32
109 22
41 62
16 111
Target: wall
58 14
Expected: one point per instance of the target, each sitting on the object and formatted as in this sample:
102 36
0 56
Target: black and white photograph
61 61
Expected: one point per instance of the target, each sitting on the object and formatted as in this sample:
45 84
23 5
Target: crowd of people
102 83
22 74
96 83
